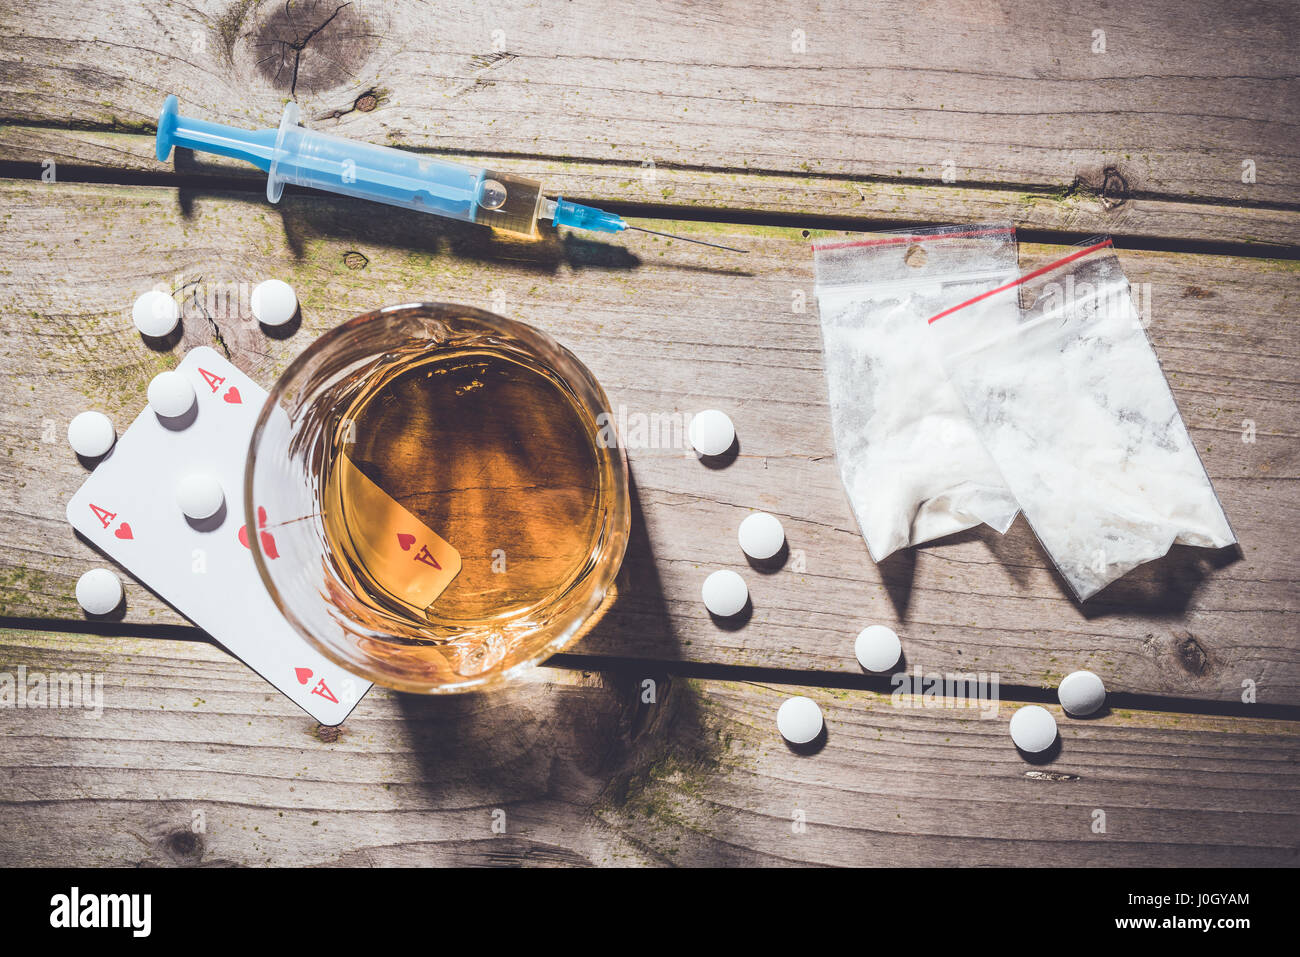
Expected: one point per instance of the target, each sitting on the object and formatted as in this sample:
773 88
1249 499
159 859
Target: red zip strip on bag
894 240
1023 279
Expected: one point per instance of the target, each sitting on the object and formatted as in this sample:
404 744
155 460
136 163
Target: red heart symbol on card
232 396
268 540
124 531
304 675
268 545
406 541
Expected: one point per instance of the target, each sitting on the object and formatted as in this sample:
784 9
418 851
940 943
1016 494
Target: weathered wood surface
671 329
1081 208
196 761
1004 95
891 114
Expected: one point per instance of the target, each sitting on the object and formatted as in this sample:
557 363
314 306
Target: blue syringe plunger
302 157
255 146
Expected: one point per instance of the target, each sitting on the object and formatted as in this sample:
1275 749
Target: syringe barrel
401 178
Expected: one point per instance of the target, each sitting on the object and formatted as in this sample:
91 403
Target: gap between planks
1284 243
709 671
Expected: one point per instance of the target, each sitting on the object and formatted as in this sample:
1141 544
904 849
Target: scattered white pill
711 432
199 495
91 434
799 720
273 302
155 313
1081 693
98 591
725 593
761 535
877 648
170 394
1033 728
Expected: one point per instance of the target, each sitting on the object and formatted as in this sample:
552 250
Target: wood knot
184 844
366 102
1112 192
327 735
1190 654
310 45
1114 188
355 260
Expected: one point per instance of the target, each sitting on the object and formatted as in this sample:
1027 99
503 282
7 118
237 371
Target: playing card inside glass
435 500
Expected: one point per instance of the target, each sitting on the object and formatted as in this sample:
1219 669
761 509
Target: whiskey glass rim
613 540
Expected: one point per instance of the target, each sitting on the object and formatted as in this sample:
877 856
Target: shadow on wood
639 608
309 215
1162 587
534 738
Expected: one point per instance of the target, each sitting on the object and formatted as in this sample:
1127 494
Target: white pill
761 535
98 591
711 432
725 593
1033 728
799 720
199 495
274 302
1081 693
170 394
91 434
155 313
877 648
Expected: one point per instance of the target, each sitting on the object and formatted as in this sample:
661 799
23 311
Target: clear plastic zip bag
1071 402
911 462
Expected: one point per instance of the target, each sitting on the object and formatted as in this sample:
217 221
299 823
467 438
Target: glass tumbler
440 500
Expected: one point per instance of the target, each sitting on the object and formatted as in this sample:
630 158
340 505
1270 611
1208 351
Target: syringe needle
688 239
563 212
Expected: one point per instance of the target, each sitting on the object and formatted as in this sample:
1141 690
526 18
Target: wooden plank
987 93
688 329
195 761
1082 208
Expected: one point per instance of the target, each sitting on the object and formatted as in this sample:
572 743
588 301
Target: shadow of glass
544 736
639 607
563 734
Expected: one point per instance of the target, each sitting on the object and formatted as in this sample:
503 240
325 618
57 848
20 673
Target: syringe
292 154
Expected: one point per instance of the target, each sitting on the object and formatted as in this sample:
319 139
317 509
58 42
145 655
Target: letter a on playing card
104 515
213 380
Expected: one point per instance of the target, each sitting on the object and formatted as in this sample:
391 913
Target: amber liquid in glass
487 449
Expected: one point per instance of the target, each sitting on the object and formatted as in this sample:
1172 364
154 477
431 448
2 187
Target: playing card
127 508
404 556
